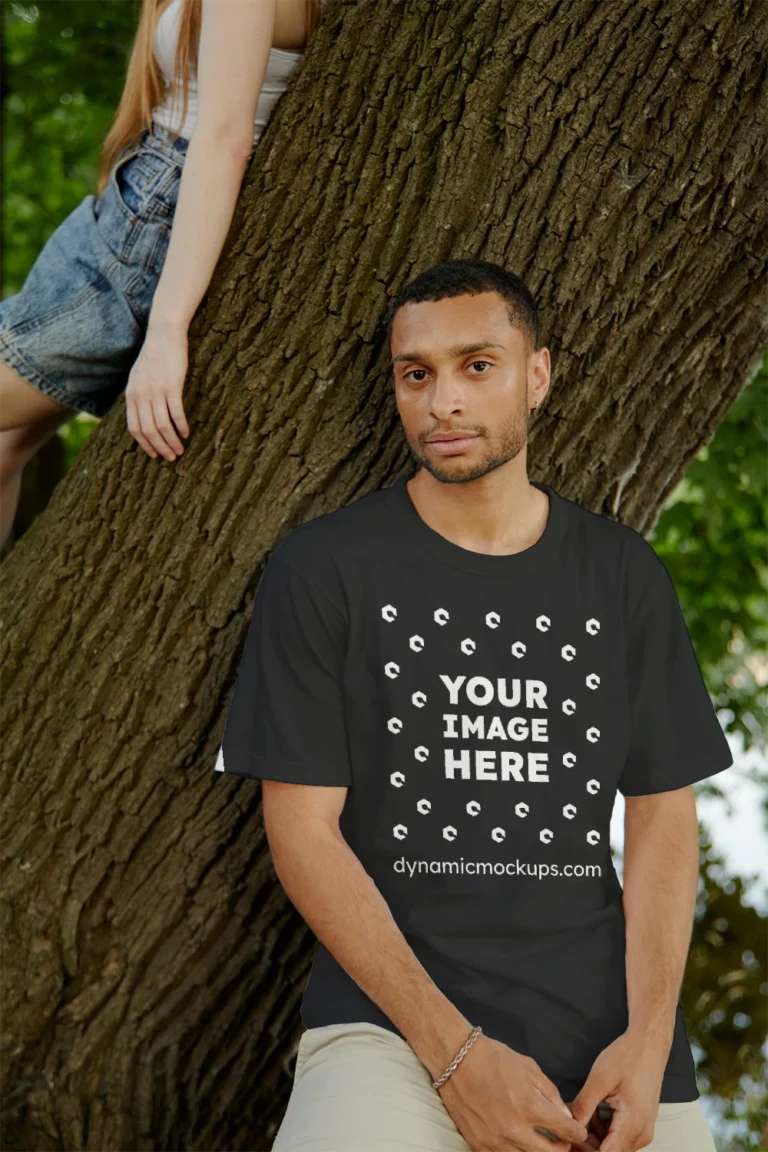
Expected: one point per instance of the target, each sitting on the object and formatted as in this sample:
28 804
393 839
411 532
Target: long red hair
144 83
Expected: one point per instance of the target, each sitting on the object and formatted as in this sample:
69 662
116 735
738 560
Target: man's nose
447 398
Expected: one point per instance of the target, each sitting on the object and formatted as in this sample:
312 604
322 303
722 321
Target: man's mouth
450 443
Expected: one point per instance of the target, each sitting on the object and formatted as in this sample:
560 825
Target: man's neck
496 514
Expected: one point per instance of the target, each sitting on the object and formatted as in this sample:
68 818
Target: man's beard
510 442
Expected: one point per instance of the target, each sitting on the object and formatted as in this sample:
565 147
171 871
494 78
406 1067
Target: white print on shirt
507 766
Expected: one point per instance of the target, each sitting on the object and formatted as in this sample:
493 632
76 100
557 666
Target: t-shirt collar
427 540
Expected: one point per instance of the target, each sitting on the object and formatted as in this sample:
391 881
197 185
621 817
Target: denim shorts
78 323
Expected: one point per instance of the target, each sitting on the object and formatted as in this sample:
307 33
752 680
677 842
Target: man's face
460 366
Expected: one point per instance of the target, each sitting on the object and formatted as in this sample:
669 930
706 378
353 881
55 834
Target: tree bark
611 155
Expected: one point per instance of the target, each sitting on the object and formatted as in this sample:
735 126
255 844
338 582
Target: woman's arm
235 40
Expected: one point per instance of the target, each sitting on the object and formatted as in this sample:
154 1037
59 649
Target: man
443 685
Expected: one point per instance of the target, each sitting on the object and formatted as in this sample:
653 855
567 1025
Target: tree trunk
611 155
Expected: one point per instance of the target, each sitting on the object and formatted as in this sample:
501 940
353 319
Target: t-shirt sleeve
675 737
286 716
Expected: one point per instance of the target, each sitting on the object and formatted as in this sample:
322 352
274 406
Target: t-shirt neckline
427 539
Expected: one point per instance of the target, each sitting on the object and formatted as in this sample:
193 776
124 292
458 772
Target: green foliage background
62 72
63 69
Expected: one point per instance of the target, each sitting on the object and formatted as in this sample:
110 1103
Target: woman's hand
153 393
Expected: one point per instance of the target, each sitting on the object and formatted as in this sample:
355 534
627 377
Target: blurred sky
736 823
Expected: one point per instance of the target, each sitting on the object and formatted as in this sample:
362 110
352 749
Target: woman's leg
21 404
27 419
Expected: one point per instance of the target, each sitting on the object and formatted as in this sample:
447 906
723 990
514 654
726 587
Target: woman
108 302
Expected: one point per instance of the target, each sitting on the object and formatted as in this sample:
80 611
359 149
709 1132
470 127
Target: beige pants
361 1088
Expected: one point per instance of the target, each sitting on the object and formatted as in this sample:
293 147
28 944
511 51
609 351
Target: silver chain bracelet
456 1060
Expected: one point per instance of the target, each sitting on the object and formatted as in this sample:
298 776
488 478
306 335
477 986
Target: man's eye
411 375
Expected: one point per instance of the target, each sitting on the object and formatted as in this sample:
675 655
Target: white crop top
280 64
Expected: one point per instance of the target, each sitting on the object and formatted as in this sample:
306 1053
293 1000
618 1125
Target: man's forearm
661 863
337 898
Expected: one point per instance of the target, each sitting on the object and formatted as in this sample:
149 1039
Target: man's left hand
627 1075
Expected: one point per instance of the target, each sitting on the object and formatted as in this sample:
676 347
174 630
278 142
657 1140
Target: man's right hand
497 1098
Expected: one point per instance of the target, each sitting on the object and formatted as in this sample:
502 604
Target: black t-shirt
482 710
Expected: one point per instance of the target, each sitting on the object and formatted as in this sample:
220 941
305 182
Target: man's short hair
461 277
